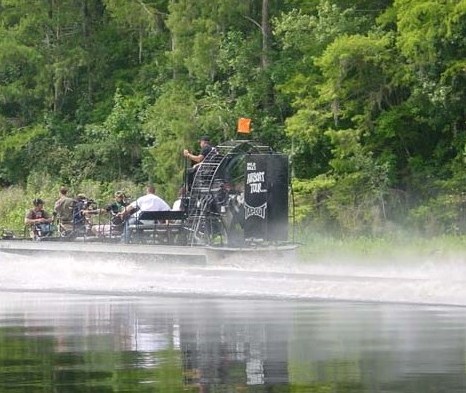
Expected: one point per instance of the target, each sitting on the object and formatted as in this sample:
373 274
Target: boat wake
423 282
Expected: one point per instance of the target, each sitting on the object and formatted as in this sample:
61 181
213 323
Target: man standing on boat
64 209
147 203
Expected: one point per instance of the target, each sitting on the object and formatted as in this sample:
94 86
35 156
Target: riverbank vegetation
366 97
397 250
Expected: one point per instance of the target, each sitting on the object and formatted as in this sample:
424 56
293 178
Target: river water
70 325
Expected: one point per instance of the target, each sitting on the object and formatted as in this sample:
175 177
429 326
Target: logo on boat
255 180
254 211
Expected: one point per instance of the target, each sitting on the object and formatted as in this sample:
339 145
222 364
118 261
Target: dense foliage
367 98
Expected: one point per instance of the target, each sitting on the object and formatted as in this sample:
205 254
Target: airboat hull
84 250
142 252
250 254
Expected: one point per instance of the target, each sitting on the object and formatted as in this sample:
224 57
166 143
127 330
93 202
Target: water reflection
64 342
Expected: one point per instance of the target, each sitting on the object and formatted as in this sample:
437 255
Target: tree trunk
265 34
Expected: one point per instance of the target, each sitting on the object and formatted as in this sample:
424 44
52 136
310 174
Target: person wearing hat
37 217
118 204
206 148
83 210
115 227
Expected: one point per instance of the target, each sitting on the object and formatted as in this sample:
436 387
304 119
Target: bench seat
159 227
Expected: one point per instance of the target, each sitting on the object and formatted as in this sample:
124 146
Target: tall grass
403 246
13 207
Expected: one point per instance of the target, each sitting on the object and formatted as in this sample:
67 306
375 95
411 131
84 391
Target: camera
89 204
86 204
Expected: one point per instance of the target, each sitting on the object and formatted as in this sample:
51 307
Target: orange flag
244 125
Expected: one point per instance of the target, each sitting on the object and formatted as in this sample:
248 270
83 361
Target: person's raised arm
193 157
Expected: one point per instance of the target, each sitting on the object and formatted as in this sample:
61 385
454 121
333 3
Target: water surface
71 325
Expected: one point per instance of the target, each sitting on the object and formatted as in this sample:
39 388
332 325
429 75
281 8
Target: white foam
428 282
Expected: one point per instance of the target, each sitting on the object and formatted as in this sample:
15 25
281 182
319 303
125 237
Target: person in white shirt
179 204
147 203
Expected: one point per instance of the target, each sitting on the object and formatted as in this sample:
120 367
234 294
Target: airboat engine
239 197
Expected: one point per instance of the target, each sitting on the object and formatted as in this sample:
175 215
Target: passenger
149 202
79 211
83 212
118 205
180 202
38 219
88 207
206 148
64 209
116 221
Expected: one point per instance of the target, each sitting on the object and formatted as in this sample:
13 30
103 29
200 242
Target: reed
318 247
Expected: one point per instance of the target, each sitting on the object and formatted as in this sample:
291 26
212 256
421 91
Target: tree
112 150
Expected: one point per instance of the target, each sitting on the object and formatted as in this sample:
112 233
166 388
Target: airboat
237 206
